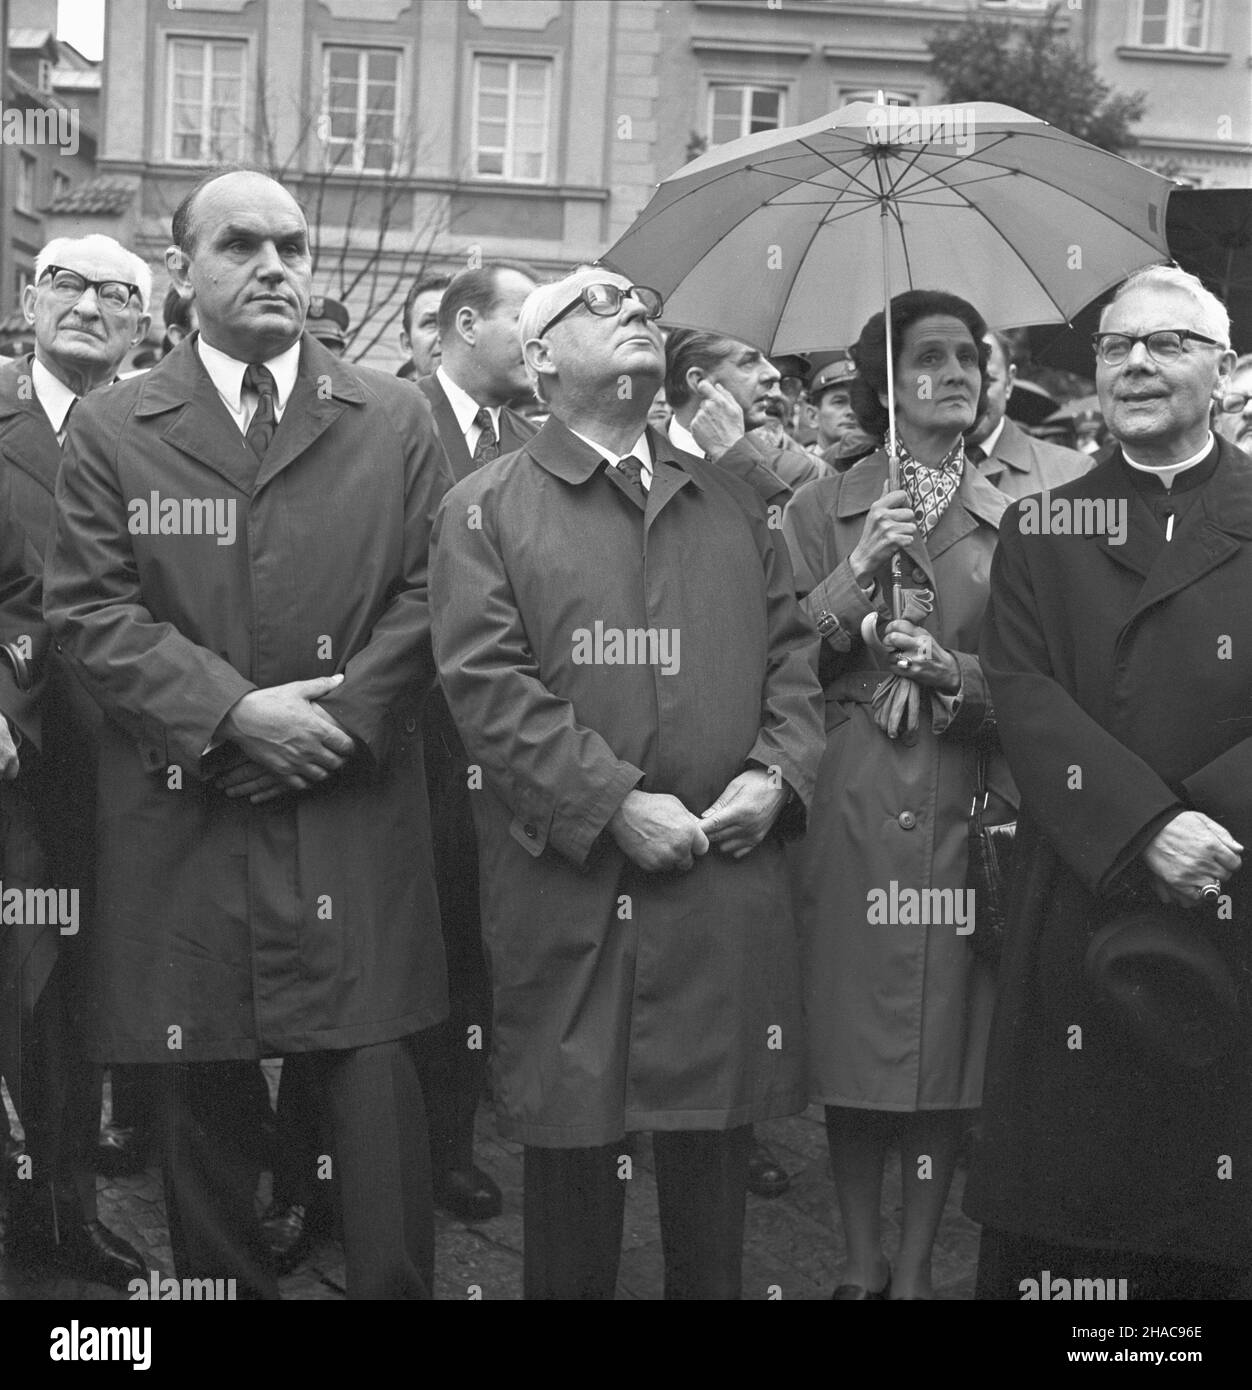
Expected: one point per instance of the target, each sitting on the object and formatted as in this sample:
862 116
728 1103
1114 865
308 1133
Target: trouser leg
211 1176
702 1184
573 1207
378 1129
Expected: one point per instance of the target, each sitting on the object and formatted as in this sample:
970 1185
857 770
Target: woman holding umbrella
898 1005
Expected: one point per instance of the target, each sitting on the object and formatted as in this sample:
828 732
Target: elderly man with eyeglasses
88 306
1117 1112
619 644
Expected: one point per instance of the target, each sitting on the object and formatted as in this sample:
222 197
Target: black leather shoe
90 1250
287 1235
469 1194
766 1176
854 1293
120 1152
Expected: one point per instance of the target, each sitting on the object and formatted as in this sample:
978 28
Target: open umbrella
790 239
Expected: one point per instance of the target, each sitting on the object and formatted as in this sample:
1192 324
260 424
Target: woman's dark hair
869 352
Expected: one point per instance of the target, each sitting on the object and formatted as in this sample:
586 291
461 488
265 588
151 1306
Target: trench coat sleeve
1051 741
21 622
397 661
163 688
746 461
824 590
792 737
561 780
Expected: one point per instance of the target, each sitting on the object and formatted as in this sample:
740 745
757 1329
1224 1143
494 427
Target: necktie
264 421
632 470
488 446
975 453
65 422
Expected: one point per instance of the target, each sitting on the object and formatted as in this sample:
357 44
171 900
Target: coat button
919 575
410 724
907 820
529 831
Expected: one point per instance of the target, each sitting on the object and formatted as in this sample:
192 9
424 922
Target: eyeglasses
70 286
1164 346
605 300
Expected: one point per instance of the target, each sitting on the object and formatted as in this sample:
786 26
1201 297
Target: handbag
991 849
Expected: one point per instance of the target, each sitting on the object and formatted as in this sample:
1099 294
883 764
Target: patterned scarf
931 489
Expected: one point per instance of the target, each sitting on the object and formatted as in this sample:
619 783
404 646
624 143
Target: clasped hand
658 833
291 742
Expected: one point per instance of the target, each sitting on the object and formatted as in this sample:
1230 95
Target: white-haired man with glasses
1117 1113
88 306
621 649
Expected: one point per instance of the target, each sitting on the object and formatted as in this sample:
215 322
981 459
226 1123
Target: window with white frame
1173 24
61 183
738 108
206 100
25 192
361 107
512 118
874 94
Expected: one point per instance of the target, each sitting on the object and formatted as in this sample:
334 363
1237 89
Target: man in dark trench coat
1118 650
618 639
239 574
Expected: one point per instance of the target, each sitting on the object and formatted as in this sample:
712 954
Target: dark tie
65 422
488 446
632 470
975 453
264 421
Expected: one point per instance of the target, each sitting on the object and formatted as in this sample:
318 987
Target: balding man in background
88 307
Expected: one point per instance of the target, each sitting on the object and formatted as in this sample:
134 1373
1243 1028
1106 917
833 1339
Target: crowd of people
595 719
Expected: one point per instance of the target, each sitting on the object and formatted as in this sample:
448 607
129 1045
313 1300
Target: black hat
327 320
837 372
1162 978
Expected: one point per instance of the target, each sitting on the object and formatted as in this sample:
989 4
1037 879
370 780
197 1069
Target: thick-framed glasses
1164 346
70 286
605 300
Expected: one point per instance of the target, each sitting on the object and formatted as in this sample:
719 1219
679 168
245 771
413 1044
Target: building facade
424 133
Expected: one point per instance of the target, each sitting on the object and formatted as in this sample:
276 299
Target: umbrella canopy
780 239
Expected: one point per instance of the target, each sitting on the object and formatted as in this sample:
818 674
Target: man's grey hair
1215 320
136 271
546 301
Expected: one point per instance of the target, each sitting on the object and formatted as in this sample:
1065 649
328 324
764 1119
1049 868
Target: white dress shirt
55 397
641 450
227 375
466 409
682 438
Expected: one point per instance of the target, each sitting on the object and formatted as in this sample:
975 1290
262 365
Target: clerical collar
1166 473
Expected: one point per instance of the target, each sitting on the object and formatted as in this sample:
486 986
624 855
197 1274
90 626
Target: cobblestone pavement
793 1244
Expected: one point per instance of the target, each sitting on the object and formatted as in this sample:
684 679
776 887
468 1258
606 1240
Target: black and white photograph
625 667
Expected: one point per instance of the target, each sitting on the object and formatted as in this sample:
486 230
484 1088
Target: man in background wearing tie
620 646
1009 458
480 372
88 307
238 572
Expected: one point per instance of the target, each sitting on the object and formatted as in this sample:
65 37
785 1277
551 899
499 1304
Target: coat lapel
1109 482
449 432
26 435
1213 529
201 426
